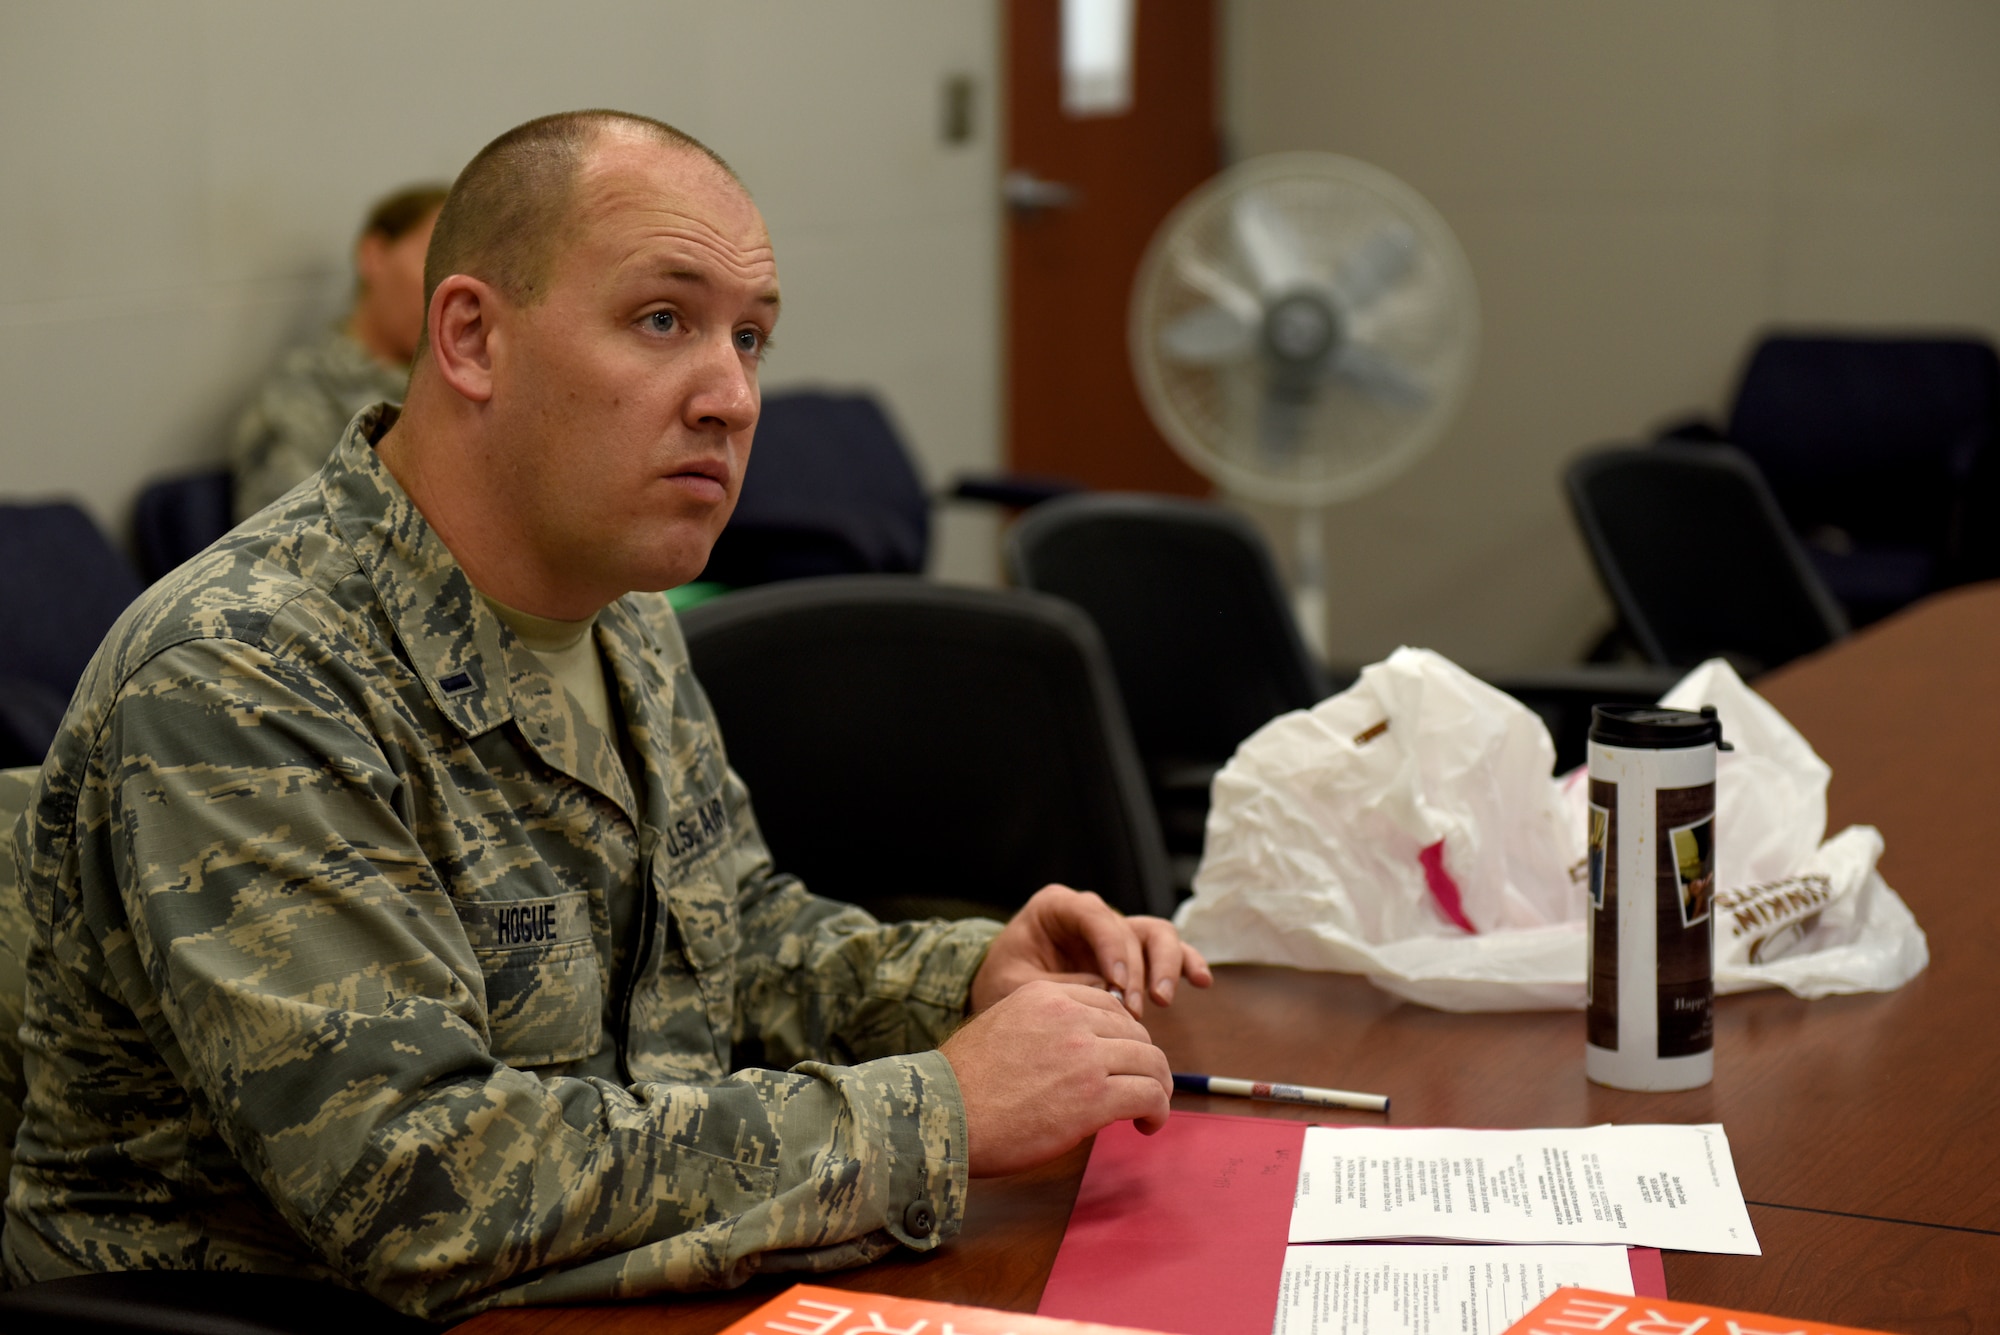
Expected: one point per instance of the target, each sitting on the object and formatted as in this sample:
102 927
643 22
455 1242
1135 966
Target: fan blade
1218 287
1381 376
1209 336
1276 257
1373 267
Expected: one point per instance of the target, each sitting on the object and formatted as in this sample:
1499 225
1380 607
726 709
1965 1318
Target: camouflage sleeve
821 980
301 968
281 439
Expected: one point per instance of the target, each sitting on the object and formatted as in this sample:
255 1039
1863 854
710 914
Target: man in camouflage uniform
373 942
300 410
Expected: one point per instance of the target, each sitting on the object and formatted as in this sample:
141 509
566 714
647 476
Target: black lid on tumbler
1644 728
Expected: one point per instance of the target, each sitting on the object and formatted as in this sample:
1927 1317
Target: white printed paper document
1637 1186
1421 1290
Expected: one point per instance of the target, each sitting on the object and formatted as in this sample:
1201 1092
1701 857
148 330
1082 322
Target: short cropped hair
512 204
395 216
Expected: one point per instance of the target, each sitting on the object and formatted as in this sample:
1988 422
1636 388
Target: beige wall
1640 187
180 181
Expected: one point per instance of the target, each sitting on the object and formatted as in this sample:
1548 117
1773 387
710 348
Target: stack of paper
1186 1231
1651 1186
1431 1290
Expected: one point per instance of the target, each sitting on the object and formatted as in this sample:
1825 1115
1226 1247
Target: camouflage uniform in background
16 787
327 877
300 410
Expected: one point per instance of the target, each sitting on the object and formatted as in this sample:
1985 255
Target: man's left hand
1075 937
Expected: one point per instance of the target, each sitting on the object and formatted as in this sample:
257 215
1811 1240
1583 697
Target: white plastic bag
1407 829
1793 910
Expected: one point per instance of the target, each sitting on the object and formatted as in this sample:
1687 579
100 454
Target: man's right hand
1048 1065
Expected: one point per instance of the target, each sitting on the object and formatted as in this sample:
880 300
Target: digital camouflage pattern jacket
299 414
323 872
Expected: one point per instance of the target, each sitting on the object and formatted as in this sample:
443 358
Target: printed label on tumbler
1601 977
1694 867
1686 889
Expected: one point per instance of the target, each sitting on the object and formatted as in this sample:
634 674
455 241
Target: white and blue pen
1261 1089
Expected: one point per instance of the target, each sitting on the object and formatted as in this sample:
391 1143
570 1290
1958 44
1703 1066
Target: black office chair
919 749
1192 609
62 584
1698 558
195 1302
174 518
1206 649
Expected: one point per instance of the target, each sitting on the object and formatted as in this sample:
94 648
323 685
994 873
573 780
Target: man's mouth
707 478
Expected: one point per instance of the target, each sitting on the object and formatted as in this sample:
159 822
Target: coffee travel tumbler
1650 978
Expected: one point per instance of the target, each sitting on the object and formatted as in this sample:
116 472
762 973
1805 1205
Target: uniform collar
452 638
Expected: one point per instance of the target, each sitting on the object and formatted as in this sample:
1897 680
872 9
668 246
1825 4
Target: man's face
625 399
392 277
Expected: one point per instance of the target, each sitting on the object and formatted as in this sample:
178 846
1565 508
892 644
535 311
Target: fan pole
1309 577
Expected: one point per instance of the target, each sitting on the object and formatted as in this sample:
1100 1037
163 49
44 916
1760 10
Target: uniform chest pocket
544 982
703 914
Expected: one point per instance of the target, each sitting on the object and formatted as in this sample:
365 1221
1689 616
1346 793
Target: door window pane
1097 56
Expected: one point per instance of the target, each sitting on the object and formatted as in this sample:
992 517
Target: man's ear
460 319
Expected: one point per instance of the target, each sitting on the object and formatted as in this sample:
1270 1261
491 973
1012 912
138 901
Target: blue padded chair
63 586
176 517
1873 448
831 490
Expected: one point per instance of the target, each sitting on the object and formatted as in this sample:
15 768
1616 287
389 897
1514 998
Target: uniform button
918 1219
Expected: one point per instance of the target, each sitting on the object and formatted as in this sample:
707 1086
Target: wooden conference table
1865 1129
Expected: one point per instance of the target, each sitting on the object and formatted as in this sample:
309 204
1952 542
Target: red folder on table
1185 1231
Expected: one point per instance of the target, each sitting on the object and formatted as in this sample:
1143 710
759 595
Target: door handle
1028 194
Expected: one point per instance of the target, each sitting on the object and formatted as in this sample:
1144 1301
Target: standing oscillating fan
1303 327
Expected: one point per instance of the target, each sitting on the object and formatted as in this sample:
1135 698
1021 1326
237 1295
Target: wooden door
1089 193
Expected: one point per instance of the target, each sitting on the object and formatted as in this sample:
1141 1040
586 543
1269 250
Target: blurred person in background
307 401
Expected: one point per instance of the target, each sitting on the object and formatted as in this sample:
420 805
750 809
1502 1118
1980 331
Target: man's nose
725 392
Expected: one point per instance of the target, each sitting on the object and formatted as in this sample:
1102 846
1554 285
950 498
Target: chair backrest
63 586
176 517
907 743
830 490
1874 436
1697 556
1200 631
215 1302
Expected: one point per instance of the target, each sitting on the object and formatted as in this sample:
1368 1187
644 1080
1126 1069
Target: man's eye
751 341
661 322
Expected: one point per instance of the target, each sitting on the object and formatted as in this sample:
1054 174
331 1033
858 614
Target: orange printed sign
807 1309
1586 1312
